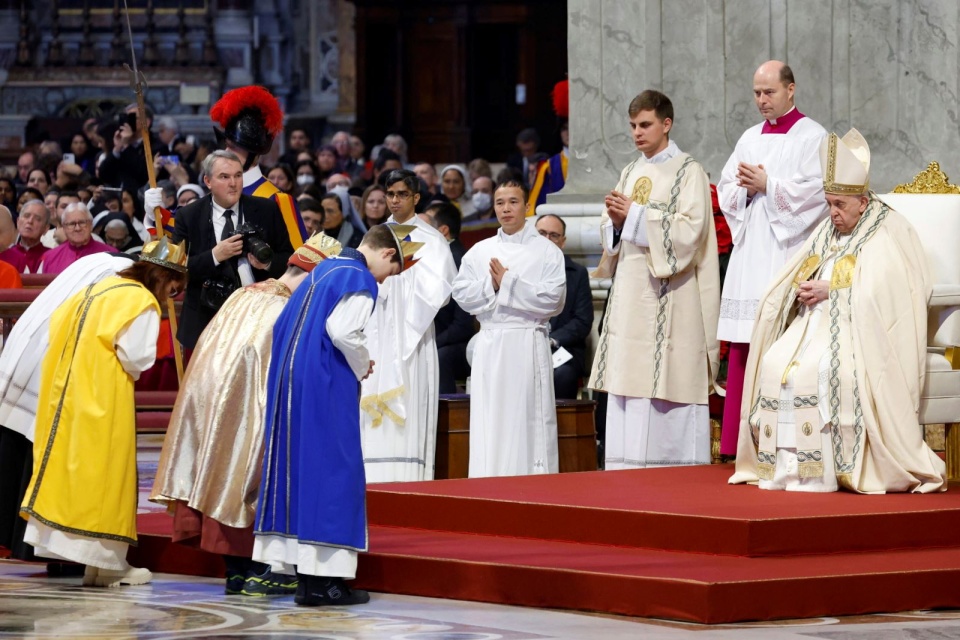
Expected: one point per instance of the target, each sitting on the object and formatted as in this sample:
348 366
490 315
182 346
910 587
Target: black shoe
269 584
324 592
235 583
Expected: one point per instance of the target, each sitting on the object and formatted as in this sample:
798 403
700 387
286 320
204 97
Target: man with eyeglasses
78 227
400 399
27 252
569 329
513 283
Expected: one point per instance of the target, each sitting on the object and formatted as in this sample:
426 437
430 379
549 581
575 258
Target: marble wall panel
888 67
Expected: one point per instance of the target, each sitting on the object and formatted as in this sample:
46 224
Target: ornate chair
932 206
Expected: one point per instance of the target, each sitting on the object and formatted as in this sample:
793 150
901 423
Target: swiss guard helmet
249 117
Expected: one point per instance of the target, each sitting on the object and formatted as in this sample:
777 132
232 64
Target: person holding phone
125 165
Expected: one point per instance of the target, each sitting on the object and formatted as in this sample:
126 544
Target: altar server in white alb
513 283
657 356
400 399
771 194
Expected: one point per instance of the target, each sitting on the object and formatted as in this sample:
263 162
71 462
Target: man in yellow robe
210 465
657 356
81 503
838 351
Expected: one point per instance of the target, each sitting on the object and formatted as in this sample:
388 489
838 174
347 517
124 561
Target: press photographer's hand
226 249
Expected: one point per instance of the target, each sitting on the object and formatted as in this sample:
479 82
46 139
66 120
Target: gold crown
406 248
317 248
165 254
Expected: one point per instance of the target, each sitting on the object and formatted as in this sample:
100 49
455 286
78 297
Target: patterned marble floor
173 607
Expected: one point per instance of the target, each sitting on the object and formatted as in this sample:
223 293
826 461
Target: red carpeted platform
674 543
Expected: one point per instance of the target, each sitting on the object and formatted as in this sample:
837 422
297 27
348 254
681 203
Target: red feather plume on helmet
233 102
561 98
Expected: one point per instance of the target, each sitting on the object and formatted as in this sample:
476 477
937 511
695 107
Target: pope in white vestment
837 357
513 414
768 225
400 399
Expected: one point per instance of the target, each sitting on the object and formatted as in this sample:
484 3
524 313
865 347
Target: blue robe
313 486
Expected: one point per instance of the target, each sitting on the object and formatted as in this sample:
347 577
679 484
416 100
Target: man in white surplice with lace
837 355
771 194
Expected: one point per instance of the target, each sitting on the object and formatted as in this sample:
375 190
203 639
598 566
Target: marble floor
35 606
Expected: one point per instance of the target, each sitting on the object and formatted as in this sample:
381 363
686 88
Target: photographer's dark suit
194 223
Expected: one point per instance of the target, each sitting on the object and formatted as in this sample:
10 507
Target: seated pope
837 356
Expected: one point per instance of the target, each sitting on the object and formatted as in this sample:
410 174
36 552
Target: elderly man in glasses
78 227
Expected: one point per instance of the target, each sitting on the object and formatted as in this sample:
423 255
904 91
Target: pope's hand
369 370
813 291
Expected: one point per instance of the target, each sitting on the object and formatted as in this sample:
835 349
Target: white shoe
132 576
90 576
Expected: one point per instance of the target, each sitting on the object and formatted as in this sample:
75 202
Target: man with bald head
771 194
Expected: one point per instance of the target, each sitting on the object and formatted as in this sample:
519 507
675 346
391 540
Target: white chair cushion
940 398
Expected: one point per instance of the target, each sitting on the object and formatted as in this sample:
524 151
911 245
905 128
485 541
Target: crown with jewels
317 248
166 254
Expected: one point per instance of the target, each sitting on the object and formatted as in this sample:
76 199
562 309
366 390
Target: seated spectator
482 200
27 252
386 162
38 180
327 162
334 223
25 164
395 142
188 193
118 232
306 174
78 226
453 182
479 167
26 196
282 177
130 204
357 149
426 172
8 194
312 213
297 142
55 236
9 276
338 180
373 205
84 153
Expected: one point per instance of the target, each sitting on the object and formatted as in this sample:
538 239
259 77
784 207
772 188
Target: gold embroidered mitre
406 248
166 254
845 163
317 248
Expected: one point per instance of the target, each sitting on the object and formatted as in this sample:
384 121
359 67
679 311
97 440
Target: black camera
216 291
253 243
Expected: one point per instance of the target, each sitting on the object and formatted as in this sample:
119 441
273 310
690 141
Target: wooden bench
576 436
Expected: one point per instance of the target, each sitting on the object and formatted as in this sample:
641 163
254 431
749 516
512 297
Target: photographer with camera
234 240
124 164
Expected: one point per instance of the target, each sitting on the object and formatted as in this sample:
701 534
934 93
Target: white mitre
845 163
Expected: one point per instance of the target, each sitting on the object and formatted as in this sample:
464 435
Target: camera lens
260 249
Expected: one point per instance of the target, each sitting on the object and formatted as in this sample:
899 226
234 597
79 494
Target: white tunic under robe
771 226
513 413
399 401
28 341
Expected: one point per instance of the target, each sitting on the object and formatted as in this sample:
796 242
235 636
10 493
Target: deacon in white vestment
514 283
400 399
658 351
838 353
771 194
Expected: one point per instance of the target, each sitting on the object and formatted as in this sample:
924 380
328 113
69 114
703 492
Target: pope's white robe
771 226
850 370
400 399
513 413
658 350
28 341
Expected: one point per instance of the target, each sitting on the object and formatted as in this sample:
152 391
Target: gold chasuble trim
376 406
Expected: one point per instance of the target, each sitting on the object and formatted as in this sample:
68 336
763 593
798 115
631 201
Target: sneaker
110 578
323 592
269 584
235 584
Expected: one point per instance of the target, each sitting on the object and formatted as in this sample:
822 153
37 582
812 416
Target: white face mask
481 201
304 179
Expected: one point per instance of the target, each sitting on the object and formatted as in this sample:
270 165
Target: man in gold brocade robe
838 351
210 465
